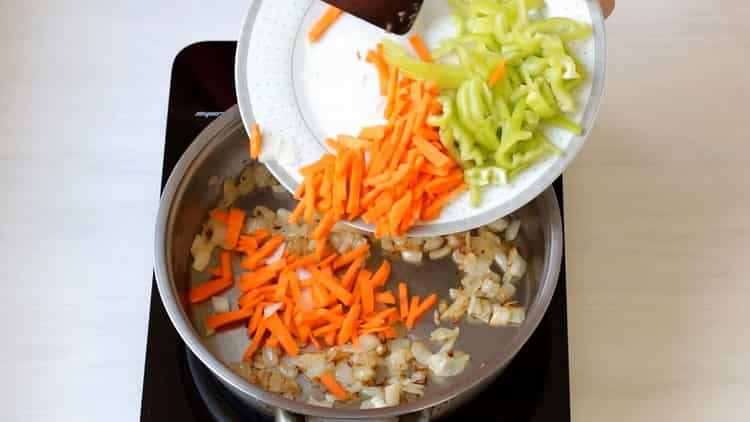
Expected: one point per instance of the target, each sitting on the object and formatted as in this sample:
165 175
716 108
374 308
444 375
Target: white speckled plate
302 93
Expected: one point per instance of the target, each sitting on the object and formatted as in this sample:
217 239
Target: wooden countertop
658 221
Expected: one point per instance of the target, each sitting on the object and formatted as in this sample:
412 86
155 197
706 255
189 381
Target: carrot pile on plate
391 175
339 301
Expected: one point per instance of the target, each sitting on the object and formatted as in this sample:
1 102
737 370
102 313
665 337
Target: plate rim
517 201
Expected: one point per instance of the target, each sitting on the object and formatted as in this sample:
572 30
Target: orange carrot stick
433 210
403 300
333 386
413 305
432 154
218 215
257 338
255 141
397 213
335 288
255 260
385 297
416 313
497 74
348 325
372 133
282 333
205 291
225 263
255 320
219 320
368 296
420 48
355 184
235 220
380 278
351 273
351 256
321 26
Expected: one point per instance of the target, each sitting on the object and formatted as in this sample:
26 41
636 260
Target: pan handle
285 416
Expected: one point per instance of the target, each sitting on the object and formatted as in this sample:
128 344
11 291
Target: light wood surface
658 221
657 208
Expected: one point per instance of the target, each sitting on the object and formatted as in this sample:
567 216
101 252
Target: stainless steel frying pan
221 150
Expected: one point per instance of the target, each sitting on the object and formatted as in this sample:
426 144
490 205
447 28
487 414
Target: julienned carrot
421 309
403 300
430 152
398 212
497 74
405 156
351 256
385 297
281 332
347 326
252 324
235 220
445 183
255 343
260 235
351 142
225 263
368 296
215 321
333 386
381 275
433 210
351 273
372 133
219 215
269 247
413 305
255 141
341 293
205 291
355 185
322 25
420 48
382 204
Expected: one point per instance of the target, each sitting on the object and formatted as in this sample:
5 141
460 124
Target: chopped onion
373 403
441 335
387 244
500 316
443 365
512 231
368 342
312 364
220 304
201 251
303 274
433 243
506 292
363 373
373 392
421 353
392 395
344 373
498 225
517 314
412 257
271 356
440 253
400 343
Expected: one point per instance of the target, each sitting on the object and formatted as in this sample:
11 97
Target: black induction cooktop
176 386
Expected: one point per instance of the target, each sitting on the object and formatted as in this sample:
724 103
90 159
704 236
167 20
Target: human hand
607 7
